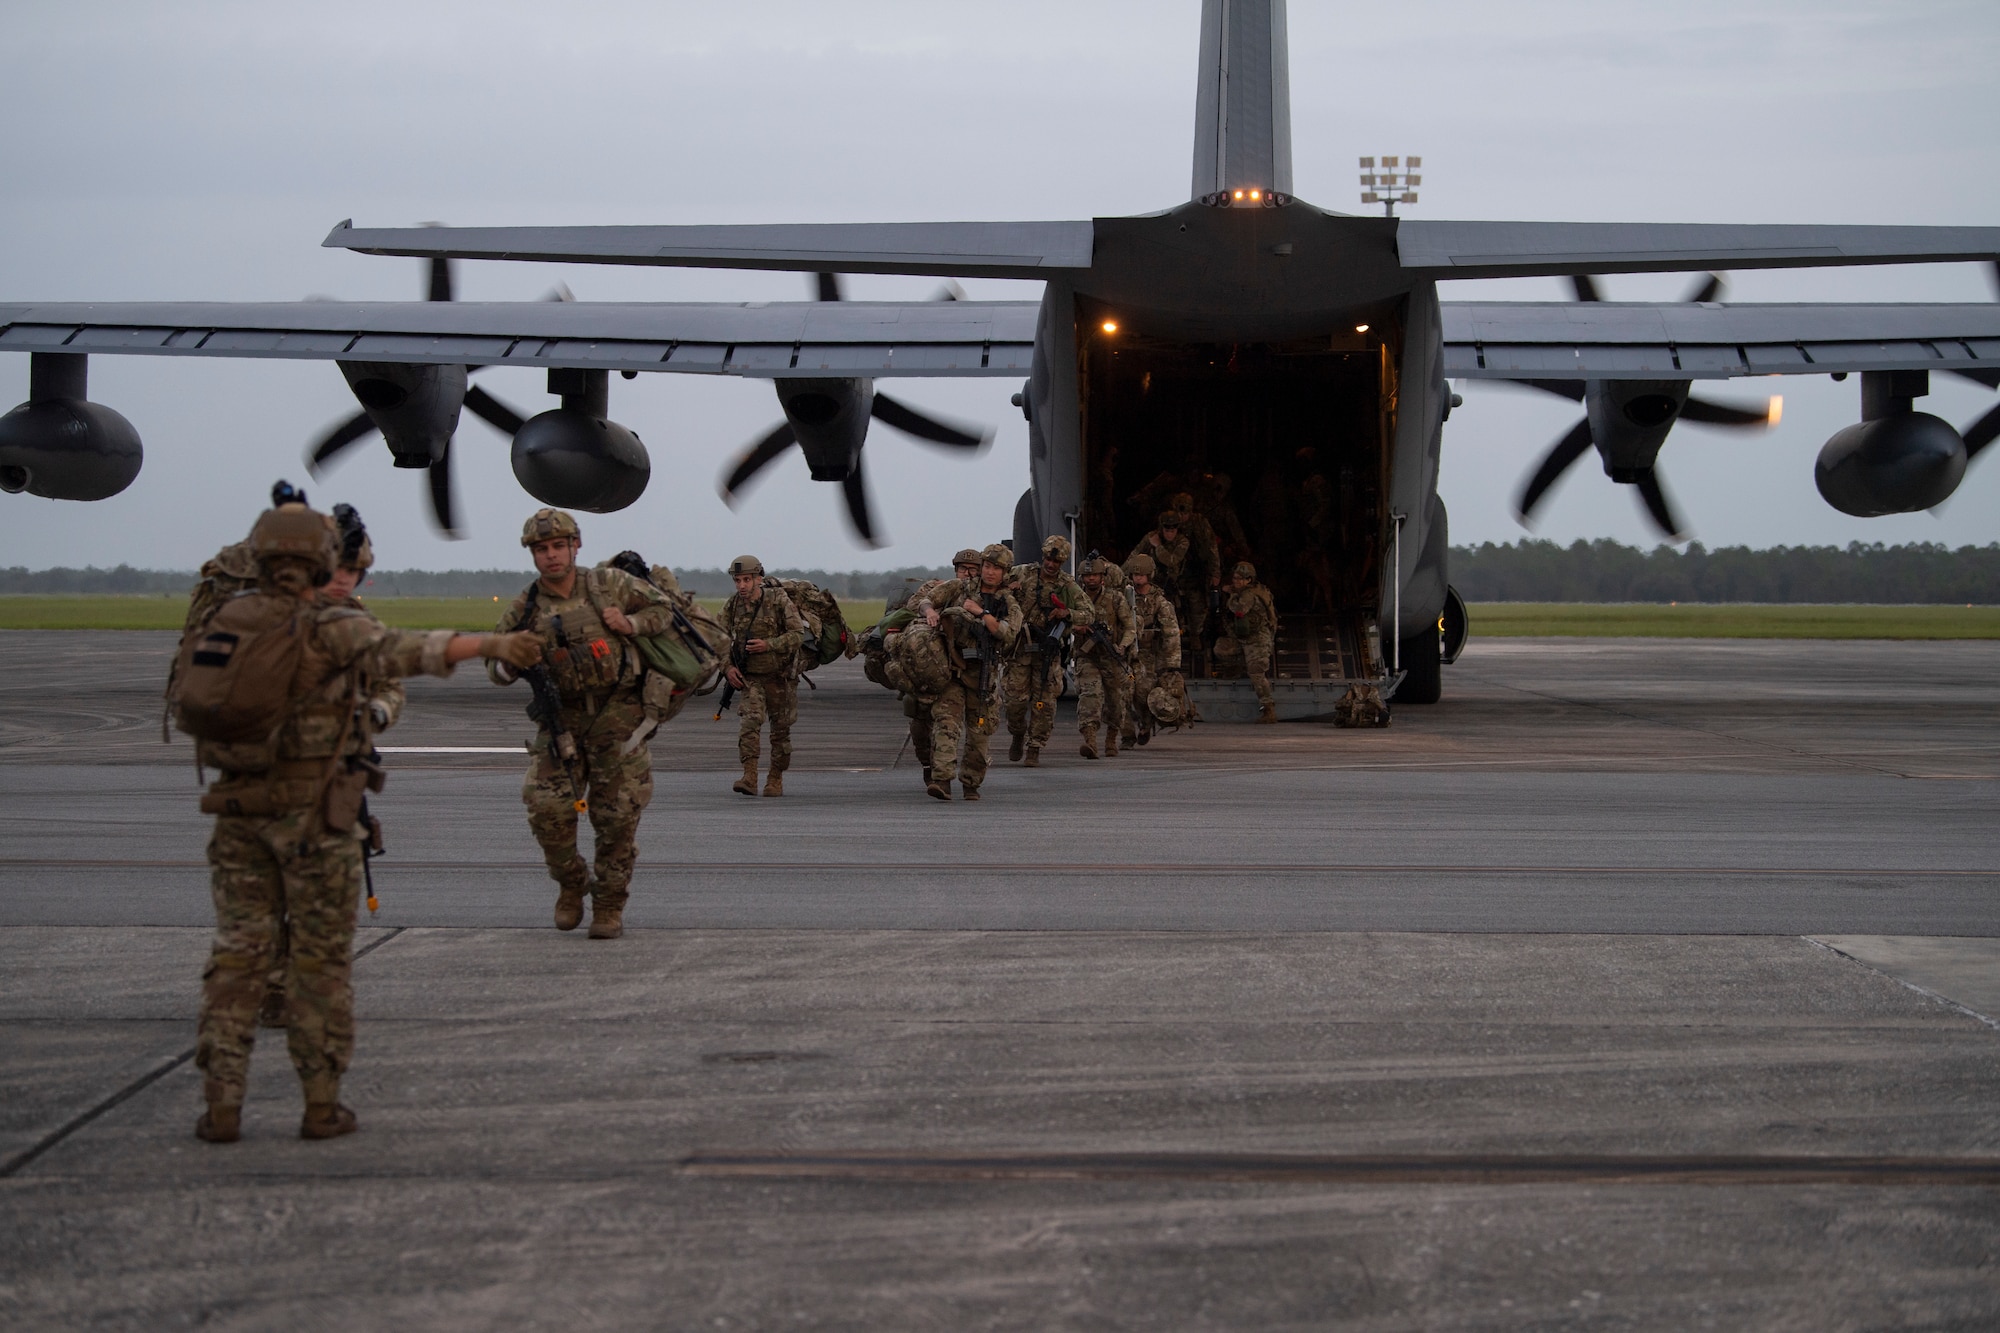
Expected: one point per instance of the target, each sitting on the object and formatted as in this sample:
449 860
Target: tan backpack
233 678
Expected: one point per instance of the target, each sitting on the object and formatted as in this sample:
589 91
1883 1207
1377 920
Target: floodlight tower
1390 186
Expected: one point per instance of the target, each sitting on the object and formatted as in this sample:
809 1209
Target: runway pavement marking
166 1065
1413 1169
1121 868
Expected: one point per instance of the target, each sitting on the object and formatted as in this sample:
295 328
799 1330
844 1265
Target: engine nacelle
1896 465
1630 420
830 419
61 446
575 458
1897 460
415 407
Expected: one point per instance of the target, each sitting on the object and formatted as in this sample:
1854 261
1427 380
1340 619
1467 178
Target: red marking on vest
599 649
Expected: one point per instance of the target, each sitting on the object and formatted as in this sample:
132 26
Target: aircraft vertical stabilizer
1243 102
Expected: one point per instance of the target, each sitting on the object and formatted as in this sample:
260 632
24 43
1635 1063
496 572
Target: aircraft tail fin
1243 102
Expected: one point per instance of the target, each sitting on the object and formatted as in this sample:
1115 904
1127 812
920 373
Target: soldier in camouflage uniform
585 620
1103 674
1158 636
917 696
1180 573
1250 629
386 697
973 638
286 850
767 631
1050 601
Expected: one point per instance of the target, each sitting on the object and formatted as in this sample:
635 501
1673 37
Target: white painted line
452 749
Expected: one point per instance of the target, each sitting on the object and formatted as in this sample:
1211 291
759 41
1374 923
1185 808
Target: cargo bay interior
1285 447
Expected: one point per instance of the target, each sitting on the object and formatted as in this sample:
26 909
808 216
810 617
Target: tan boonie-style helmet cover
966 557
1244 570
546 524
1140 564
295 530
1164 704
1055 548
1173 518
746 564
996 554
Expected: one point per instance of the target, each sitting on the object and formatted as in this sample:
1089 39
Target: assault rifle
1113 659
545 708
1049 643
991 604
739 657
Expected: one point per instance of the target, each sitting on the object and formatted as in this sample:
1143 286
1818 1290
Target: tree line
1609 571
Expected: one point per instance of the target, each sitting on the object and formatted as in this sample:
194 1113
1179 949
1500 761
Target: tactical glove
518 649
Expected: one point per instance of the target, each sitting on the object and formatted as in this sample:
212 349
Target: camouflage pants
919 713
1103 694
1031 699
960 723
616 787
775 698
1145 675
1252 657
275 878
1191 606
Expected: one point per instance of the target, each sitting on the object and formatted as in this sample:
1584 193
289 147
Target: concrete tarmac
1642 984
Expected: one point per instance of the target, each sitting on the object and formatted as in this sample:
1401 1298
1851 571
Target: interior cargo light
1111 326
1239 194
1777 412
1361 328
1256 194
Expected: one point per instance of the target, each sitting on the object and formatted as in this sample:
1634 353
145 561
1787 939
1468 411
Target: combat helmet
548 524
996 554
1055 548
968 556
296 531
1093 564
1244 570
746 564
1165 704
1140 563
356 551
1173 518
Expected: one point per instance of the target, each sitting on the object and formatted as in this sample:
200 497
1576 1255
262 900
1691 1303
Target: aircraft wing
938 249
757 340
1443 250
1637 340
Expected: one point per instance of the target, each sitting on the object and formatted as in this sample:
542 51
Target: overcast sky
202 150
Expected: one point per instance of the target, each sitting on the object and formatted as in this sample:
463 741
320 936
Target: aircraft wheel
1423 659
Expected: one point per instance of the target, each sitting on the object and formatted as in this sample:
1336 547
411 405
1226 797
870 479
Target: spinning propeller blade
1556 462
756 458
1656 503
441 503
492 411
893 412
337 439
855 489
1722 414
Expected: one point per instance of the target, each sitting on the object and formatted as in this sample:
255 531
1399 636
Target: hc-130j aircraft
1283 360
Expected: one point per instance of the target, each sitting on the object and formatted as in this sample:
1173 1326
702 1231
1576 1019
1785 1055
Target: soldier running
1103 663
590 755
978 621
286 854
1051 602
1250 625
767 630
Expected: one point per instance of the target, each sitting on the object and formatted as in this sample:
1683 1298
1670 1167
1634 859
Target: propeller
1983 431
891 412
1579 439
439 286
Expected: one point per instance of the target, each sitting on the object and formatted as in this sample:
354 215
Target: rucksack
826 628
689 652
233 677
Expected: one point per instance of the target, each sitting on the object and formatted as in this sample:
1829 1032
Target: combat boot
606 923
1110 743
327 1120
1089 747
1014 747
775 784
222 1122
971 793
937 789
569 906
747 784
1267 713
1033 757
